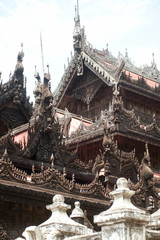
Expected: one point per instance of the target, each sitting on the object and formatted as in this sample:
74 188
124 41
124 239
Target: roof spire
42 53
21 47
153 64
126 53
77 17
77 30
78 40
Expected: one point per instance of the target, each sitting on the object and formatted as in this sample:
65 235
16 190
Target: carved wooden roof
15 108
105 66
39 146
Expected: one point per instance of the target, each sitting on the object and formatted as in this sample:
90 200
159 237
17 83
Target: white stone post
77 213
153 229
123 221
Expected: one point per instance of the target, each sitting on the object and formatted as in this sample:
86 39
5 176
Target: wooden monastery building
101 123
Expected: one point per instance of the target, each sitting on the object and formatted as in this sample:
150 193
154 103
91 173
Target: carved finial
37 74
126 53
5 154
42 53
146 154
154 117
42 167
1 81
21 47
47 77
52 160
25 82
20 55
73 177
77 29
77 211
48 68
64 172
153 64
77 17
107 47
122 196
33 169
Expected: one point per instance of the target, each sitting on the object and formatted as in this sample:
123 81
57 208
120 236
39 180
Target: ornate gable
85 87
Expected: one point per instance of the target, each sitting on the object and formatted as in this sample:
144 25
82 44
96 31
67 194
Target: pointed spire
21 47
107 47
77 17
153 64
77 29
42 53
126 53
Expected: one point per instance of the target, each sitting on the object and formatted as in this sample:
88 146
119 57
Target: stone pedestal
123 221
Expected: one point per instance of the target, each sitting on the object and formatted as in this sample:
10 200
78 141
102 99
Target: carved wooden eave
143 80
50 179
140 86
21 192
98 69
84 134
64 83
53 180
123 122
126 122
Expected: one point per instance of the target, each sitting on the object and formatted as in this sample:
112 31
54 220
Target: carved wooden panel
143 106
15 217
3 127
89 151
87 96
13 117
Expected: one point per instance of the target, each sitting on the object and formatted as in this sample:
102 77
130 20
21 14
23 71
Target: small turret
18 73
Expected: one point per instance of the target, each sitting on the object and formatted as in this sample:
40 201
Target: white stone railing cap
58 203
122 196
77 211
122 208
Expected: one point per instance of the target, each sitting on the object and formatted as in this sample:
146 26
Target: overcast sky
120 23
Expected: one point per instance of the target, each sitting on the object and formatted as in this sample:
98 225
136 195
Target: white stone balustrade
122 221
